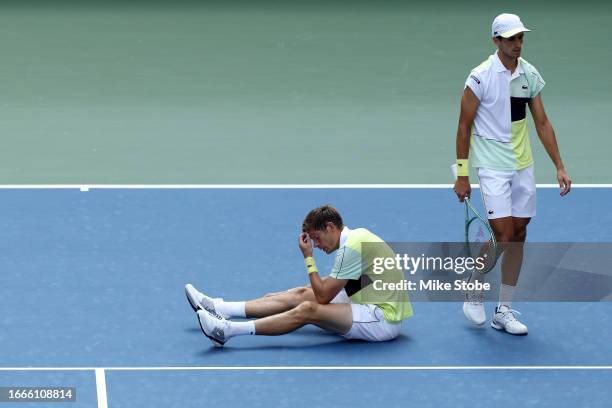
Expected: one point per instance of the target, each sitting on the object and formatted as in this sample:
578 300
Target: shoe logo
218 334
490 211
524 87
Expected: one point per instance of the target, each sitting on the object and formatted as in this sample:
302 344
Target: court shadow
304 332
192 330
498 347
327 342
472 328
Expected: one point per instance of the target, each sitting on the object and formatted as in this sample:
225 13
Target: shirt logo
490 211
524 87
475 79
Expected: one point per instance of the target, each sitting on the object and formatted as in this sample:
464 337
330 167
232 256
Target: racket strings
480 239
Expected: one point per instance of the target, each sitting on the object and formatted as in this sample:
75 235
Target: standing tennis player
343 302
493 132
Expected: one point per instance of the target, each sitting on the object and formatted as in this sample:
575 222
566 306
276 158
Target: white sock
232 309
241 328
506 292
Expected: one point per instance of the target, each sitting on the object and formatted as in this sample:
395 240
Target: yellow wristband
463 168
311 266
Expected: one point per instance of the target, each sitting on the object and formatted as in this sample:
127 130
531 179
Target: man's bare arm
546 133
325 289
469 106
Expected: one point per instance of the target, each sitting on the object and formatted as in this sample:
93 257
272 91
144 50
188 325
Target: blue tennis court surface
95 279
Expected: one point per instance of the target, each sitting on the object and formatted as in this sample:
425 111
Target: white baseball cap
507 25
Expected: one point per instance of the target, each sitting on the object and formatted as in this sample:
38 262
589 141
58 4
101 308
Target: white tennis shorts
508 193
369 322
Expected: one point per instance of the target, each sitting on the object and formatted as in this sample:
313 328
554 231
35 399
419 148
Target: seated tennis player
343 302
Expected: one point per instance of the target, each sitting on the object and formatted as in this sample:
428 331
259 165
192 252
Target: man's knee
301 294
504 236
298 290
302 290
520 234
306 310
511 233
520 229
504 229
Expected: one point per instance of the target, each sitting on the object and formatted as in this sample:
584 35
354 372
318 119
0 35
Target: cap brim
510 33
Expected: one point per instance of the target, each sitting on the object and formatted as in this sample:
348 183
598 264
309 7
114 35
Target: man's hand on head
305 244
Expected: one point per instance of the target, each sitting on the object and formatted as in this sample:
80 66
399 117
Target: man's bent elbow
322 299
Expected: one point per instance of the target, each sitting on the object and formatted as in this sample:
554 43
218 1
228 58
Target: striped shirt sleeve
347 264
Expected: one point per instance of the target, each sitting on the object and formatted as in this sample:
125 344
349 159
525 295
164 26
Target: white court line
101 388
87 187
100 379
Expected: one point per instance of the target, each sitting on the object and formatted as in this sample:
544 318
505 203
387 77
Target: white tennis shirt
500 137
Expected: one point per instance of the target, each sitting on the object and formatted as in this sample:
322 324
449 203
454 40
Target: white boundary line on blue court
102 398
87 187
101 370
101 388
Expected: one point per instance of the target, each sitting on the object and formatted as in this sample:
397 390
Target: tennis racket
479 236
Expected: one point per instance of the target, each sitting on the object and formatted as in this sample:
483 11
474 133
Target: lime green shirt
354 261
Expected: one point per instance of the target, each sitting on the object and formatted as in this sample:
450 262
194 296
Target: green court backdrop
143 92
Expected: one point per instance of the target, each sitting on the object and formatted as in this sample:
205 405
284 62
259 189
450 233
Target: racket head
479 238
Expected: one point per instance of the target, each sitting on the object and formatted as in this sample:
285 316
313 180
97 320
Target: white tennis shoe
214 327
200 301
473 307
505 319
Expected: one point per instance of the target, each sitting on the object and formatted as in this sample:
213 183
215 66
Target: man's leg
508 196
495 188
511 233
503 228
336 318
473 307
513 260
523 208
265 306
279 302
